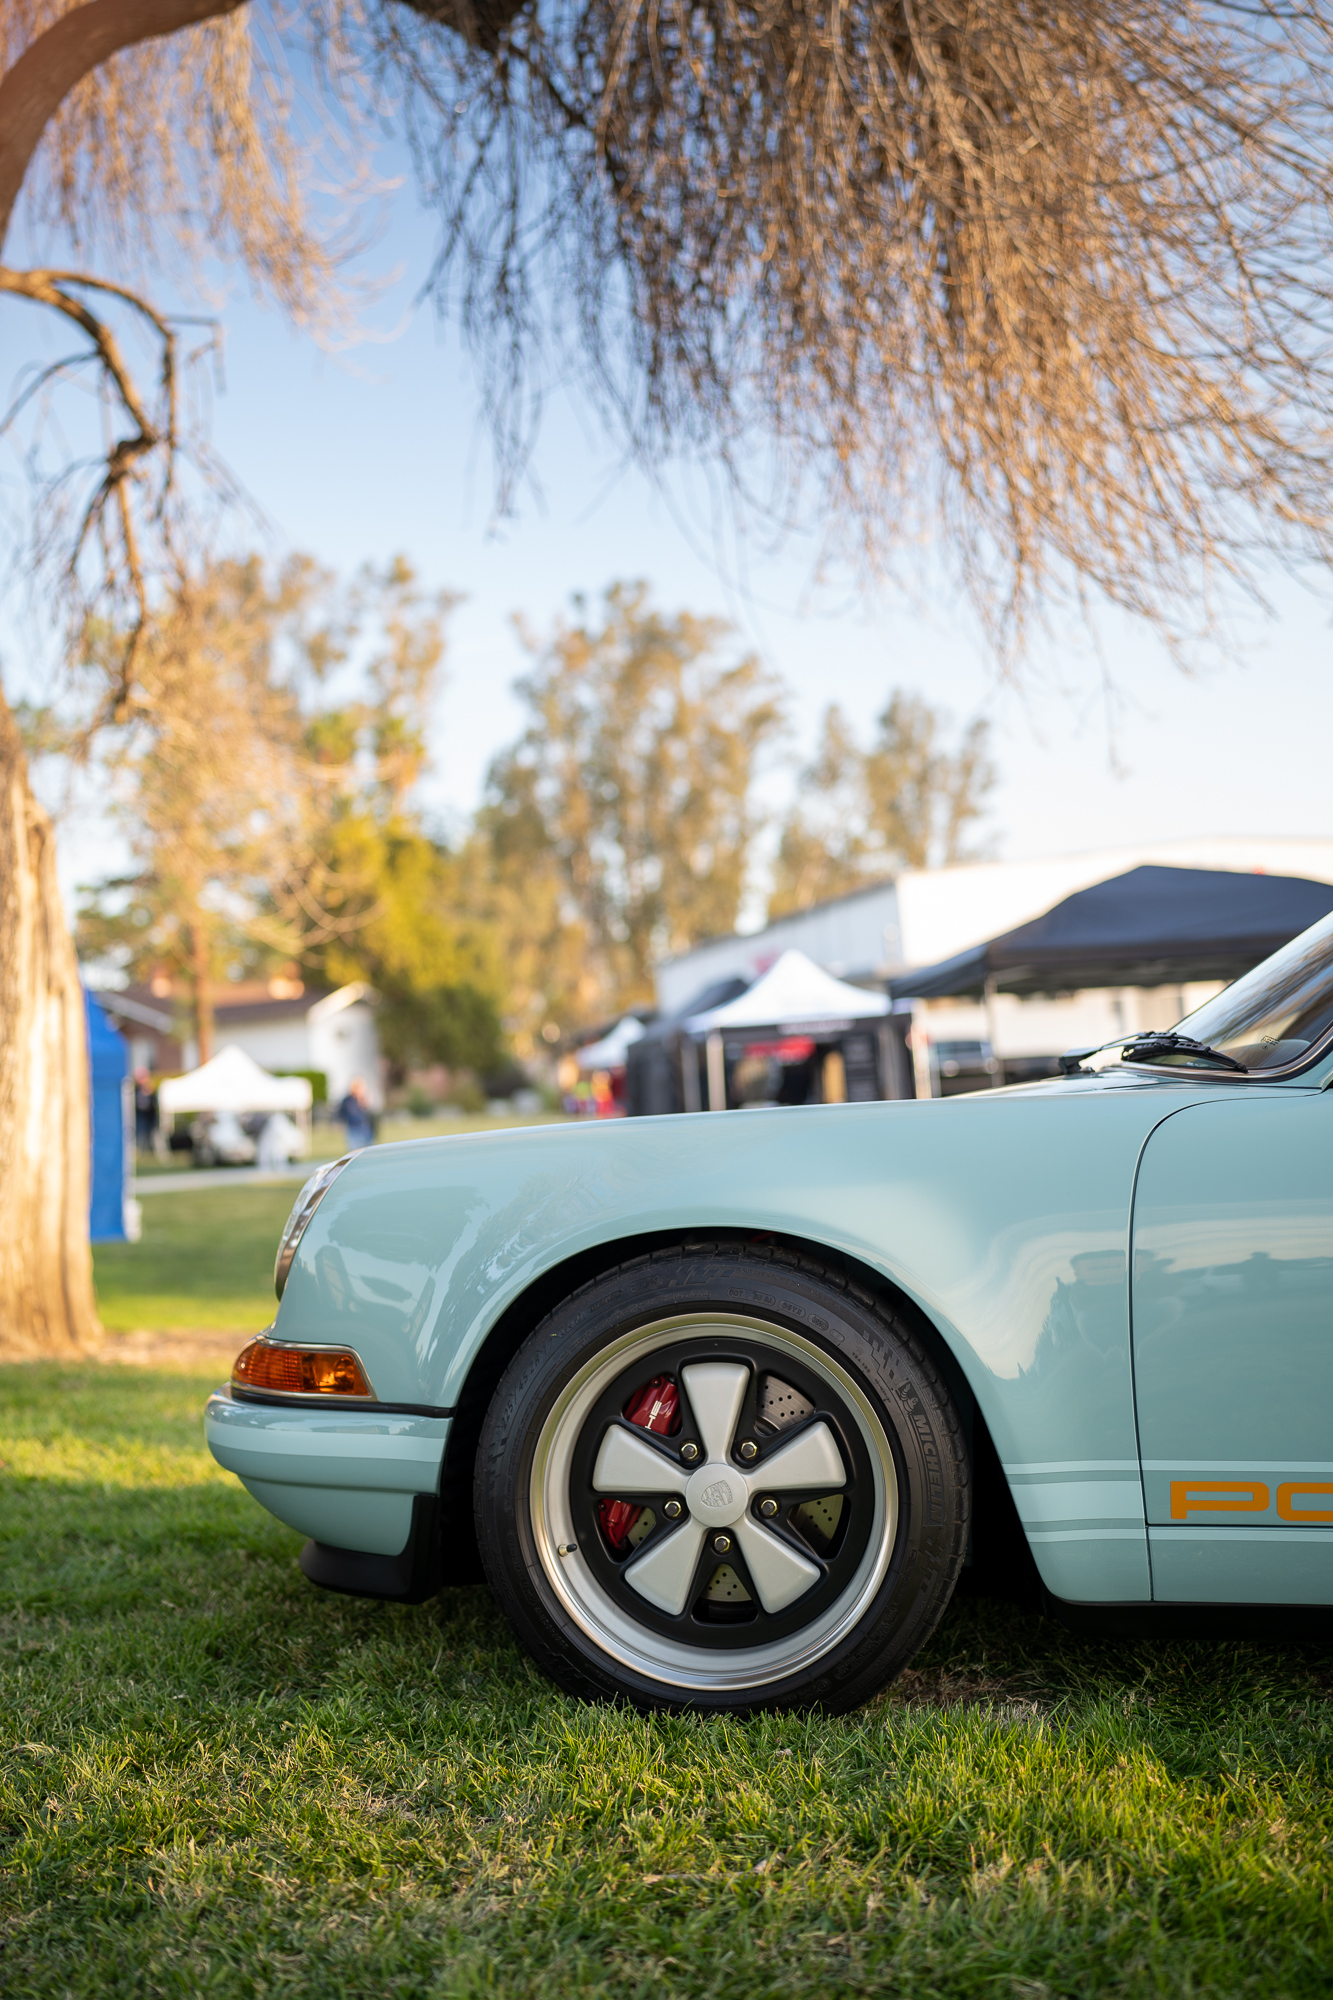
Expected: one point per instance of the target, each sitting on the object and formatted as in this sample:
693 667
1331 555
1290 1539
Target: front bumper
347 1478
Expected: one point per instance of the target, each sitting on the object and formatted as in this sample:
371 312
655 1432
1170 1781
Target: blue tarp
1151 927
108 1067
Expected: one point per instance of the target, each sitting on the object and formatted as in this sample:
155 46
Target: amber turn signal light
300 1371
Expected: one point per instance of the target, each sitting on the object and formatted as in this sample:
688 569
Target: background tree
906 802
435 964
151 150
635 776
1047 284
274 823
517 889
222 806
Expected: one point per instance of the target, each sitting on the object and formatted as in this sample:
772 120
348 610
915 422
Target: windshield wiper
1153 1042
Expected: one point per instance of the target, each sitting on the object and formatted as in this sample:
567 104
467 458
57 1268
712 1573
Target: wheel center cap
717 1495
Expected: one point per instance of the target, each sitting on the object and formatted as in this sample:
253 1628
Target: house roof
253 1013
250 1004
122 1004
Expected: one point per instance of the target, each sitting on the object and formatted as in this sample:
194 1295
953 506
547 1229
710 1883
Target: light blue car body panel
346 1477
1007 1218
1233 1348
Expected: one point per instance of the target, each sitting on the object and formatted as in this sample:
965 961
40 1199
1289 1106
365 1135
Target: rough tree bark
46 1273
46 1284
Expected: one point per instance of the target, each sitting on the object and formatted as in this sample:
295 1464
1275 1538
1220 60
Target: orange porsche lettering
1227 1496
1286 1495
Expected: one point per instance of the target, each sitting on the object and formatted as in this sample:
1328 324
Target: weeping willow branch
122 466
162 128
1044 285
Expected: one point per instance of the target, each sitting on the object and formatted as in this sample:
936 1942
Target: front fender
1003 1217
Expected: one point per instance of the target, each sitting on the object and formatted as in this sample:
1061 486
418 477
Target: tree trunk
46 1272
202 962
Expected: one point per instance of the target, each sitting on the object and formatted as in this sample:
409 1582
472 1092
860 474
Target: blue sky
381 450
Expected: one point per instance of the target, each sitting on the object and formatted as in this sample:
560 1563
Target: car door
1232 1303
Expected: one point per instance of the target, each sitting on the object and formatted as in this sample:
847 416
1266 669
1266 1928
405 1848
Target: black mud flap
410 1577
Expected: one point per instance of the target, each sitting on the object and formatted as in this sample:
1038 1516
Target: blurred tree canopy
279 828
628 802
906 802
274 825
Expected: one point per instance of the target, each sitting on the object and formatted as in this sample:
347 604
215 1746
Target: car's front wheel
722 1478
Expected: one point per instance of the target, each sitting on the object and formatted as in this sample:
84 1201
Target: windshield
1271 1016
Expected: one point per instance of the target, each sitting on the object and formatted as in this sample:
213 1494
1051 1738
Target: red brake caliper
652 1408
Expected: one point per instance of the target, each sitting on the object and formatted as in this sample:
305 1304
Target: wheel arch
559 1280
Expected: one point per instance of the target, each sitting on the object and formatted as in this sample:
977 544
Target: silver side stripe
1075 1465
1080 1500
1087 1535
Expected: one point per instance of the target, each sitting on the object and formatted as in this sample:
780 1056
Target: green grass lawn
329 1141
205 1260
222 1782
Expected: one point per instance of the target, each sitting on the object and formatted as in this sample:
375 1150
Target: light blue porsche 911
722 1406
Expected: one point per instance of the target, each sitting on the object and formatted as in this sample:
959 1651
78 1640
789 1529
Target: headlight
311 1195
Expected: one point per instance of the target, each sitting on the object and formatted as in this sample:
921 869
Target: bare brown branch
51 288
33 90
483 23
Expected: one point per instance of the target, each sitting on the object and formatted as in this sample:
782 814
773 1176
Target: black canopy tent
662 1067
1150 927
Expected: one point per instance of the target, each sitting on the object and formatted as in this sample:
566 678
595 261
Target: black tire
556 1437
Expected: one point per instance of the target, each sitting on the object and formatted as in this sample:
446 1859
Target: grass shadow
223 1781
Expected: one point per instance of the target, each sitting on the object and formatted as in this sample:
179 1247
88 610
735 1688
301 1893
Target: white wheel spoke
664 1572
626 1465
780 1575
716 1390
811 1462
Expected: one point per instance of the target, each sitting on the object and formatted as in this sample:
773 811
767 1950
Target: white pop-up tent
233 1081
794 993
612 1050
810 1029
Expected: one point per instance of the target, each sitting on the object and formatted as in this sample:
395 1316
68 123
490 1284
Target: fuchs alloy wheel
722 1478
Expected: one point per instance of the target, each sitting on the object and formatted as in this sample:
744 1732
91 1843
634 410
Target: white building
281 1024
855 937
929 914
333 1032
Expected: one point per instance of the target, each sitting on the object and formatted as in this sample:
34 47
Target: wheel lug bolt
672 1510
768 1508
689 1452
749 1449
721 1544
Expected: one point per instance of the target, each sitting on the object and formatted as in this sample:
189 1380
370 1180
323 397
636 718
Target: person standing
145 1111
356 1115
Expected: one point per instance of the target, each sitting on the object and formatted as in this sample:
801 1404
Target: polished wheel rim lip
596 1613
